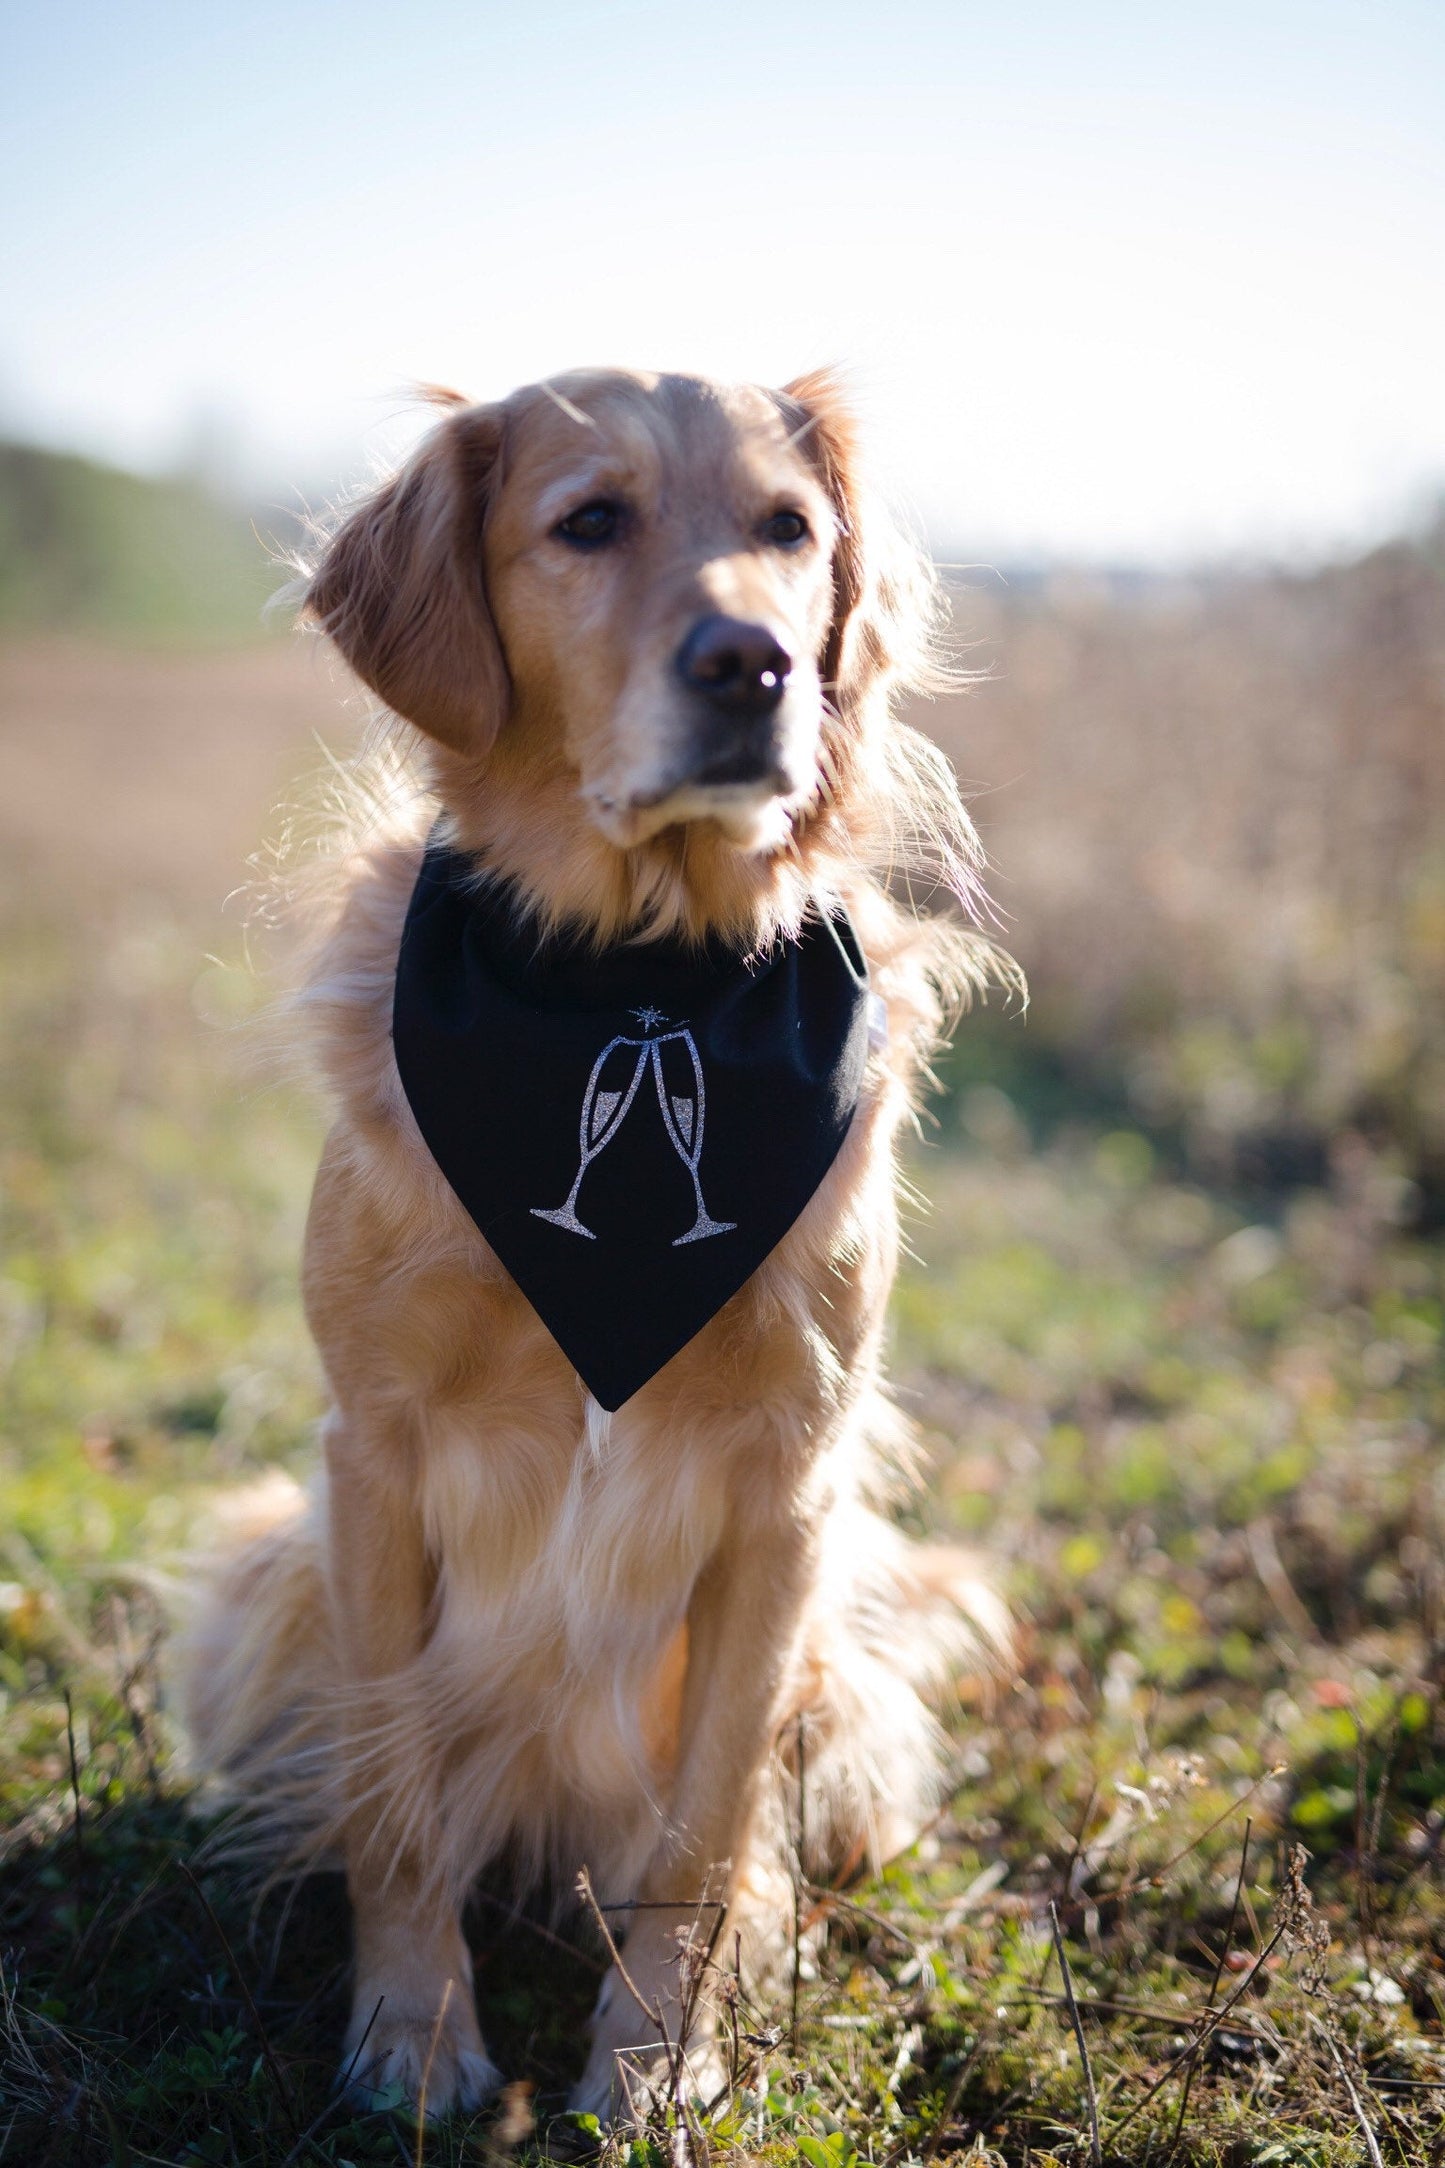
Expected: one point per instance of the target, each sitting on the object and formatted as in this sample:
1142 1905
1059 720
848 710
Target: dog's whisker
573 412
801 434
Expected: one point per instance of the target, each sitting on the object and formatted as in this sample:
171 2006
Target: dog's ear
883 595
401 589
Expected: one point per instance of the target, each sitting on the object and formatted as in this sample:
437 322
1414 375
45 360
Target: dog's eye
785 530
591 525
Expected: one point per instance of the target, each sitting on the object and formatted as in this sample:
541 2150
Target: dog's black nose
739 667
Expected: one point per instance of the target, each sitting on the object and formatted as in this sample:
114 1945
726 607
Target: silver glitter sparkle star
648 1018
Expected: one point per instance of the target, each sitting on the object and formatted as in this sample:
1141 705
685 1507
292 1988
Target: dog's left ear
402 593
883 595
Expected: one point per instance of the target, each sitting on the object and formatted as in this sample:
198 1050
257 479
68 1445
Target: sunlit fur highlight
500 1627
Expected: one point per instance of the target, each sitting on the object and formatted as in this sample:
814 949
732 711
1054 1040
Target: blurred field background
1173 1333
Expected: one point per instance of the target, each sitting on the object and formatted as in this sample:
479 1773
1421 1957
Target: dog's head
638 610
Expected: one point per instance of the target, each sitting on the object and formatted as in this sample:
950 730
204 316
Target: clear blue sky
1127 280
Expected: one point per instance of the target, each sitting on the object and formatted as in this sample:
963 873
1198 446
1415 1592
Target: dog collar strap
632 1129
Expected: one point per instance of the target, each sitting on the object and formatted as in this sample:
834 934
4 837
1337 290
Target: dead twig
1213 1991
131 1667
1212 2022
693 1964
951 2099
1157 1878
589 1898
1066 1885
278 2077
649 2010
341 2084
1364 1906
1372 2146
75 1804
735 2075
1079 1851
1096 2154
798 1886
436 2033
1110 2006
1277 1584
545 1934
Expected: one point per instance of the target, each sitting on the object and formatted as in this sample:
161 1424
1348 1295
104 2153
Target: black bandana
633 1130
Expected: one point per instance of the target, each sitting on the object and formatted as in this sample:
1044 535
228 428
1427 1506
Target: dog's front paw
630 2067
408 2057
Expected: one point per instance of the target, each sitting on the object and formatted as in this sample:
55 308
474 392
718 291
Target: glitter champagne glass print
681 1098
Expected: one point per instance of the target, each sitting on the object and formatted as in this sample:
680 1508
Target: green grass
1198 1436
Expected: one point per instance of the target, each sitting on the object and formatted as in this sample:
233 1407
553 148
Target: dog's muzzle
737 674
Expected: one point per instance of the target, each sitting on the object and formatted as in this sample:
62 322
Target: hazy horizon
1125 285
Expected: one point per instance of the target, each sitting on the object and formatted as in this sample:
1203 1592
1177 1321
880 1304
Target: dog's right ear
401 589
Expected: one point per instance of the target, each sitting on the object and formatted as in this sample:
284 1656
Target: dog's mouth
752 805
744 767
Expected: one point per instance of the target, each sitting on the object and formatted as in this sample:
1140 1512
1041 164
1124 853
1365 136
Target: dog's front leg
413 2019
741 1626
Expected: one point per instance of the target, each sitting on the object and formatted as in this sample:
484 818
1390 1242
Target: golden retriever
509 1626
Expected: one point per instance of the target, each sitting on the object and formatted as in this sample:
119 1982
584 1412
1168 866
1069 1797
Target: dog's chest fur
564 1544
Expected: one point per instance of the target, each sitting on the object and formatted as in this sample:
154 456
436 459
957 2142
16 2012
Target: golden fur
509 1625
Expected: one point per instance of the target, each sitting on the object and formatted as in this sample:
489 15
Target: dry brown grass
1217 813
151 776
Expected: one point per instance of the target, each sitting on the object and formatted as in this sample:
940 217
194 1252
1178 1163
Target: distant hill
86 548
